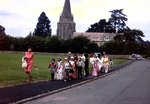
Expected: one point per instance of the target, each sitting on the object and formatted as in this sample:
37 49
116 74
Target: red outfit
29 61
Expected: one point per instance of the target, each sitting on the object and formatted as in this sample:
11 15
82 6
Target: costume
29 61
95 62
106 64
72 72
67 66
60 71
53 68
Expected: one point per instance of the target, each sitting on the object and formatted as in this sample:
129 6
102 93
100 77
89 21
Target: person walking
52 67
29 56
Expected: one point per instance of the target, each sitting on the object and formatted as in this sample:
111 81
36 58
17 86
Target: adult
104 54
69 56
29 56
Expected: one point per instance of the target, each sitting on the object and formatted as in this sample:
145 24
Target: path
128 86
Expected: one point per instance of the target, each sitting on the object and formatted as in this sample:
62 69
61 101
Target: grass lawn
11 72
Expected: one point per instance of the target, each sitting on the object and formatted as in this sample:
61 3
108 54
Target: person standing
29 56
75 61
52 67
104 54
106 61
80 64
110 64
95 62
59 73
83 58
86 65
69 56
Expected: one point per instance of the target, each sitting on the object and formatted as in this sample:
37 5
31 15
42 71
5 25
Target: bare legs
29 76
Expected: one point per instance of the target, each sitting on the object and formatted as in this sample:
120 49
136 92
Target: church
66 28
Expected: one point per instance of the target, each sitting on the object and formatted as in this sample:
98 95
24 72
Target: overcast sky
19 17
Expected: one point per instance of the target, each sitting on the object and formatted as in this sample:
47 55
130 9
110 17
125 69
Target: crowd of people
72 66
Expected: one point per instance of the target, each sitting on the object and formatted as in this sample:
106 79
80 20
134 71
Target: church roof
93 36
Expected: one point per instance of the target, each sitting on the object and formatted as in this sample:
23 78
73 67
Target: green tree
43 27
79 44
101 26
2 30
118 19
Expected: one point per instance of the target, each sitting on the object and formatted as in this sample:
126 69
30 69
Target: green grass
11 72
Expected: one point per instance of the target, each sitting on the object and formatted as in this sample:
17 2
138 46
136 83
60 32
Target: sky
19 17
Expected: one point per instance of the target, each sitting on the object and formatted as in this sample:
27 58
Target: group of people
71 68
101 63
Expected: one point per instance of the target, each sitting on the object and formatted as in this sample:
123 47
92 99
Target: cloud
19 17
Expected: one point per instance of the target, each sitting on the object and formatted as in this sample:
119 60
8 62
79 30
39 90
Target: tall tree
2 30
43 27
118 19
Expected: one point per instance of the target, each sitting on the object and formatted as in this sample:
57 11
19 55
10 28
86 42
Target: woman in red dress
29 56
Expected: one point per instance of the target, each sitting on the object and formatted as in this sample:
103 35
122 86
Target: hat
72 57
96 55
69 52
59 58
53 59
66 58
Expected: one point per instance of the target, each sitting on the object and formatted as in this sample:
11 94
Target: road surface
128 86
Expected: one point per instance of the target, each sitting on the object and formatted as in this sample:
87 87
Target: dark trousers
86 72
79 72
52 76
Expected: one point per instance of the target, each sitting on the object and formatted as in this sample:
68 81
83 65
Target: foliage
2 30
118 19
101 26
43 27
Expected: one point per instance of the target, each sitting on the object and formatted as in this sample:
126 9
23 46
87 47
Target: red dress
29 61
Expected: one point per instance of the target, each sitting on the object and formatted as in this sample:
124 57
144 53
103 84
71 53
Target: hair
29 47
110 59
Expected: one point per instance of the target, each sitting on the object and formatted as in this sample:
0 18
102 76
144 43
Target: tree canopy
118 19
43 27
2 30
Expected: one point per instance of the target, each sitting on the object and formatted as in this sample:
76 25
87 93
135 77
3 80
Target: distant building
66 25
99 38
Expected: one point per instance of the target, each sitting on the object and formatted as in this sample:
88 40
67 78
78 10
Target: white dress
59 72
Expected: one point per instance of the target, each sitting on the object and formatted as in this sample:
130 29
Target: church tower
66 25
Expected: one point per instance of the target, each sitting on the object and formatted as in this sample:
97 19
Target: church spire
67 9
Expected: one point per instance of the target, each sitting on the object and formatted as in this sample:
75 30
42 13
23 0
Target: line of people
72 66
70 69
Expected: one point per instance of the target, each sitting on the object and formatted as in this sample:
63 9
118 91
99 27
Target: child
60 71
110 64
83 58
52 67
86 65
80 64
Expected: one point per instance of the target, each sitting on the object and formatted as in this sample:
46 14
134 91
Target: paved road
128 86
